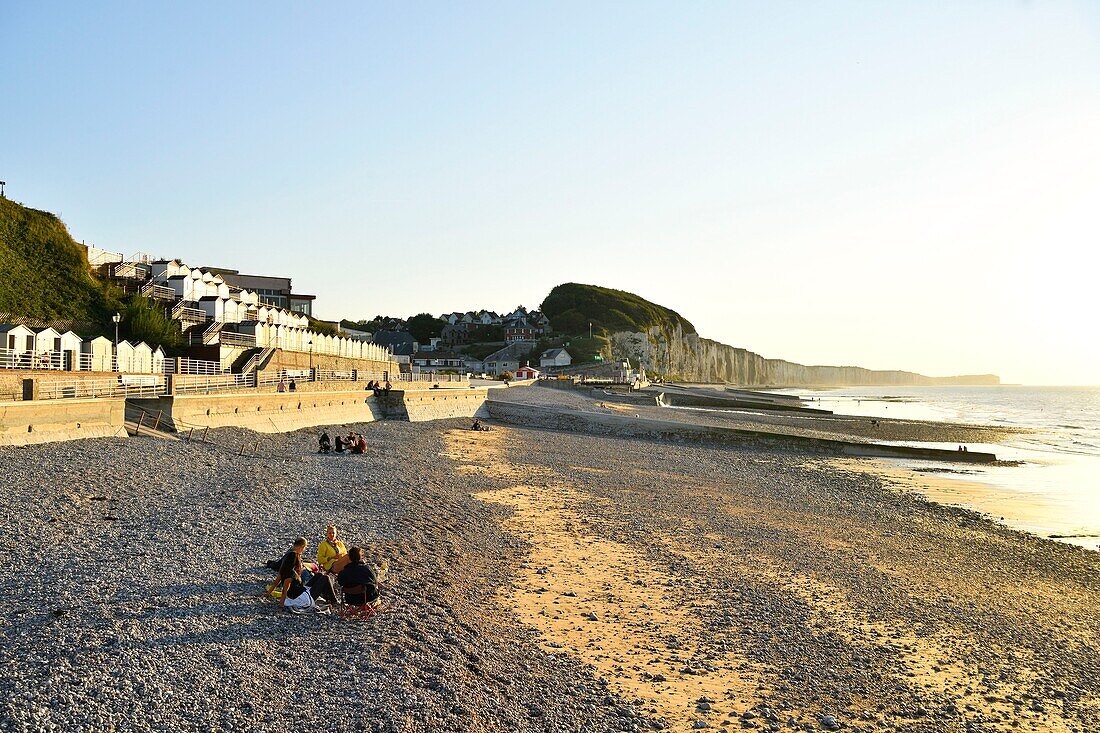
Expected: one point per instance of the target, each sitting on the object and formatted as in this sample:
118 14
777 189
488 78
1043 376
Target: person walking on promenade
281 387
293 385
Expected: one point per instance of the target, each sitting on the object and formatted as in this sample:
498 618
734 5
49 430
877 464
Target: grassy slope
572 306
45 273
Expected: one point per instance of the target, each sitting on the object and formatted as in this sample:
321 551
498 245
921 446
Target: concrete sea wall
264 413
435 404
25 423
285 411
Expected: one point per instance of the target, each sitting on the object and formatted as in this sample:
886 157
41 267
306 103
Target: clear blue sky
893 185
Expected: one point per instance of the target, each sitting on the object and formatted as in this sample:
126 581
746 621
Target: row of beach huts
47 348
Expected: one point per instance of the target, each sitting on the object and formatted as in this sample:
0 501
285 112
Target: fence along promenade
125 385
211 376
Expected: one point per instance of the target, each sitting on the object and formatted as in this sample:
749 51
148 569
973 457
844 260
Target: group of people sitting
479 427
376 386
353 443
302 586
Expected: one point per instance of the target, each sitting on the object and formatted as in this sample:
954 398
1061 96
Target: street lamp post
310 345
116 318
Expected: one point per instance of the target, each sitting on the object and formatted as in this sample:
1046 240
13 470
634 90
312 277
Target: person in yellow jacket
332 555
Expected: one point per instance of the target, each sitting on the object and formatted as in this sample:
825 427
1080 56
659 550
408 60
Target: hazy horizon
892 187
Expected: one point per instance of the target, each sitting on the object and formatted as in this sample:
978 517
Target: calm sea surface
1059 479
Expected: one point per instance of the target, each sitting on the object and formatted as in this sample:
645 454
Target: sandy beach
541 580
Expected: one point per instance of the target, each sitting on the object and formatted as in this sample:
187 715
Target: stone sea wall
691 358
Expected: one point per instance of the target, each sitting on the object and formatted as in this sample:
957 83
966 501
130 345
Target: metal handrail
185 365
232 338
216 383
78 388
159 292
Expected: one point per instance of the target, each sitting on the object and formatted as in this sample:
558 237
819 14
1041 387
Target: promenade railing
185 365
267 379
214 383
140 385
67 361
332 375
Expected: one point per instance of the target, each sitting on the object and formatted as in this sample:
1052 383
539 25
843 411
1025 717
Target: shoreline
1022 511
999 490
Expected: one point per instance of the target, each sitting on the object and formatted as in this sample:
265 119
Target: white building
98 355
552 358
18 345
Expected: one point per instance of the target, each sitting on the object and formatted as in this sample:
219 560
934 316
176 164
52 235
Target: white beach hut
158 361
47 349
97 355
124 356
70 350
16 345
143 358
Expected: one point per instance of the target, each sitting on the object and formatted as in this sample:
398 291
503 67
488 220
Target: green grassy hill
44 274
572 306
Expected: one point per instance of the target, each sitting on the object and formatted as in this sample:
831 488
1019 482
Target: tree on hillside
425 326
143 320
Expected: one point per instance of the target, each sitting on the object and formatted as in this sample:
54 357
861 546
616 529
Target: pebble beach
539 581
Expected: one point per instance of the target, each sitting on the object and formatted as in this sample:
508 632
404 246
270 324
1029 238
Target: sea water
1058 474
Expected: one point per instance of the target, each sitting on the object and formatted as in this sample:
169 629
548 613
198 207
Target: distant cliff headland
664 342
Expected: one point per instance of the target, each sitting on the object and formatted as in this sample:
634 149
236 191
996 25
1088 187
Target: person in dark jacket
360 580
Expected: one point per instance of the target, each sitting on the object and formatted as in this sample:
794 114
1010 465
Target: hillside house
527 372
553 358
507 359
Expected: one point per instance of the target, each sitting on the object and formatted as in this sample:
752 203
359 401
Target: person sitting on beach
479 427
339 444
359 445
360 580
331 550
288 584
324 443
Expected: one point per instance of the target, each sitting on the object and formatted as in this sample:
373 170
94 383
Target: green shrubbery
145 320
